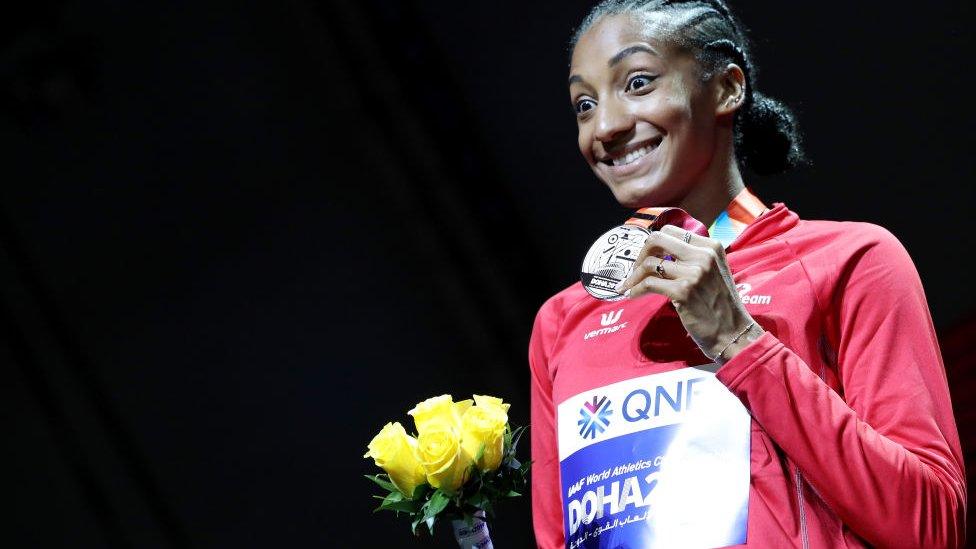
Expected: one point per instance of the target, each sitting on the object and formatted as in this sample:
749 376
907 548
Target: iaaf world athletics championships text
618 470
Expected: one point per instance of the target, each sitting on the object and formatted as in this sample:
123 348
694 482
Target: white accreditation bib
658 461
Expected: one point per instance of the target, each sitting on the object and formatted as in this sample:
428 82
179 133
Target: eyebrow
620 56
630 51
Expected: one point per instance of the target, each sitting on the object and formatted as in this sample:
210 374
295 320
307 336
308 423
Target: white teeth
632 156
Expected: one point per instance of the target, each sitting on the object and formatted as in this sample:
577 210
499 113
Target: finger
673 289
653 266
660 244
693 239
715 249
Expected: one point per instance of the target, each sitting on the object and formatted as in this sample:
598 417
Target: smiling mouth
632 153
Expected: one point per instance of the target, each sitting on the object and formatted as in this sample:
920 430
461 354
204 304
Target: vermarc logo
609 321
611 318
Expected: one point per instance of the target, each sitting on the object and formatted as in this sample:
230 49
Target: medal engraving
611 259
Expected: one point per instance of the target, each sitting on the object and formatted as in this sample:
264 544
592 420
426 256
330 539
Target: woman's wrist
738 342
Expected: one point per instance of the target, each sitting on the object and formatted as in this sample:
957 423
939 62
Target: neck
719 184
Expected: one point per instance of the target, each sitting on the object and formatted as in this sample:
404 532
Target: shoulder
557 306
549 321
853 256
840 245
844 234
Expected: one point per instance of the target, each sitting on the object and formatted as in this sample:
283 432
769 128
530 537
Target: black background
239 237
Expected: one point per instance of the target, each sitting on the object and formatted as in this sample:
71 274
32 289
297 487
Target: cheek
662 112
674 115
583 141
676 119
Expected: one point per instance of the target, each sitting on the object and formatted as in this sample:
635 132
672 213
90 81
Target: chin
635 194
648 188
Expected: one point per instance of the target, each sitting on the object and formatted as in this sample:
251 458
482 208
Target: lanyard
743 210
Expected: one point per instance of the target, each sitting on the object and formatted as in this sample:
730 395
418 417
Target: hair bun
767 138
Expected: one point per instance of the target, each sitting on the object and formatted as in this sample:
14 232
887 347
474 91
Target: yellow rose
483 426
395 451
486 401
443 458
439 408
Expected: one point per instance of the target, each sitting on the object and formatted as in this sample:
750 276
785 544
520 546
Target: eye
639 81
584 105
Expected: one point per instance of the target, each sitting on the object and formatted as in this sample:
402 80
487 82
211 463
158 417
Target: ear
730 90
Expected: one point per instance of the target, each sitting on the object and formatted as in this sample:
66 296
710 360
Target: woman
819 329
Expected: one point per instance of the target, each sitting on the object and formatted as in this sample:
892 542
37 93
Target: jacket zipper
825 350
803 512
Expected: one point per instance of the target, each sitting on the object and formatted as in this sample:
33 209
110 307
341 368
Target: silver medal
611 259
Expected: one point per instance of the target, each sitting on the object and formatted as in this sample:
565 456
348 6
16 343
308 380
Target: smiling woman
799 393
677 78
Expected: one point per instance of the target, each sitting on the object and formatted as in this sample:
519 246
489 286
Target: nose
613 120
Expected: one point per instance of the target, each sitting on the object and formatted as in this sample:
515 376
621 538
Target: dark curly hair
767 138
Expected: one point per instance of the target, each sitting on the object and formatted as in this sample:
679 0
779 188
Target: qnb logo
744 288
609 322
594 417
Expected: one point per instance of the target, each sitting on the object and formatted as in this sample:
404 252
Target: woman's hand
697 280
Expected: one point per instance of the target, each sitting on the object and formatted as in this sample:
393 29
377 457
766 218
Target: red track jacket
853 439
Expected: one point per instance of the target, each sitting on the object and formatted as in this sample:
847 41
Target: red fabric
853 438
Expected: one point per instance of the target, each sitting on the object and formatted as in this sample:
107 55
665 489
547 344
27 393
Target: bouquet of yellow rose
460 463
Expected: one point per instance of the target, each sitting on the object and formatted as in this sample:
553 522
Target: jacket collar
774 222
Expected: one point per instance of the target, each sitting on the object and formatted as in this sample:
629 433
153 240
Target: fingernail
627 293
619 286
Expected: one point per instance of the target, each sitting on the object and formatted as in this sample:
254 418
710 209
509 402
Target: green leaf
406 506
416 522
517 436
476 499
396 502
383 481
438 501
420 491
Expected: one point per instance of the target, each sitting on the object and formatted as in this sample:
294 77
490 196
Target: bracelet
734 339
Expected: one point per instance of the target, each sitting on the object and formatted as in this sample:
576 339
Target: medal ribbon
743 210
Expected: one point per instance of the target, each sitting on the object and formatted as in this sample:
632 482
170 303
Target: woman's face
646 123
